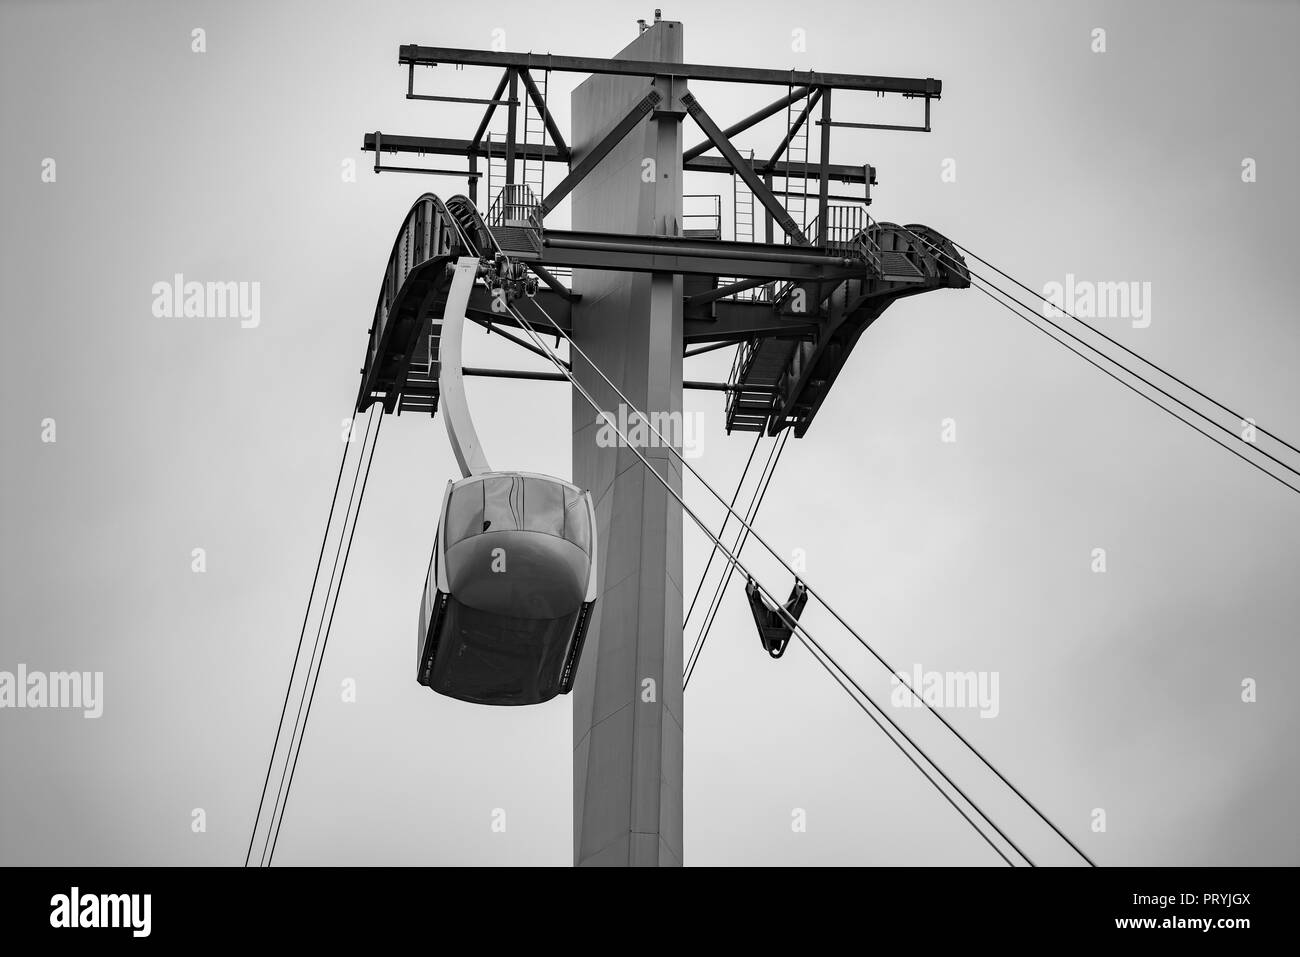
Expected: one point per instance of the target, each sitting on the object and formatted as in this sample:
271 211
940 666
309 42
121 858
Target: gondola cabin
510 589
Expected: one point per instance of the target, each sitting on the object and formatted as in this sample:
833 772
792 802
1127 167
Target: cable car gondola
512 581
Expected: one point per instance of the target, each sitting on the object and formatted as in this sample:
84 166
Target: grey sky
1118 691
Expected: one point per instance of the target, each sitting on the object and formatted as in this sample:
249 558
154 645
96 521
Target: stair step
897 266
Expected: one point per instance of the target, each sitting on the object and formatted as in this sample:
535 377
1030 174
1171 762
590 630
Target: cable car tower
636 283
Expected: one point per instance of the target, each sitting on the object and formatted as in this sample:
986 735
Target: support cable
573 346
1136 355
1116 362
1028 312
750 510
736 563
302 633
292 767
715 605
832 671
713 551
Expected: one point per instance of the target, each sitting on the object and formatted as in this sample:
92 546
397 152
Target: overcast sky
1118 691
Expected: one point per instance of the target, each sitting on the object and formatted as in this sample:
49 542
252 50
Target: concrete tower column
627 702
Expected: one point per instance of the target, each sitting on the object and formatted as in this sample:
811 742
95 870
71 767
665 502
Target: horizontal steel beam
711 347
491 327
481 100
874 126
716 248
458 173
812 195
445 146
737 320
836 171
561 377
908 86
515 374
618 260
694 257
722 292
727 320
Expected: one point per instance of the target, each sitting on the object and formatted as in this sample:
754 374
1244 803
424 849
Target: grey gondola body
512 580
510 589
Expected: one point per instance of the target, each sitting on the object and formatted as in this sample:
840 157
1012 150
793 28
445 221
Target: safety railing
849 230
763 293
702 215
516 208
515 205
739 366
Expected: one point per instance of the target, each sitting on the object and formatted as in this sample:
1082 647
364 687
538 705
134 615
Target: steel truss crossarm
552 128
770 110
907 86
793 131
743 169
601 149
488 113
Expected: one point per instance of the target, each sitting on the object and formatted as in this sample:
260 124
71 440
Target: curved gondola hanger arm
451 379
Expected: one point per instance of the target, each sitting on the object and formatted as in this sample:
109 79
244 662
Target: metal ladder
535 135
496 172
796 183
742 207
